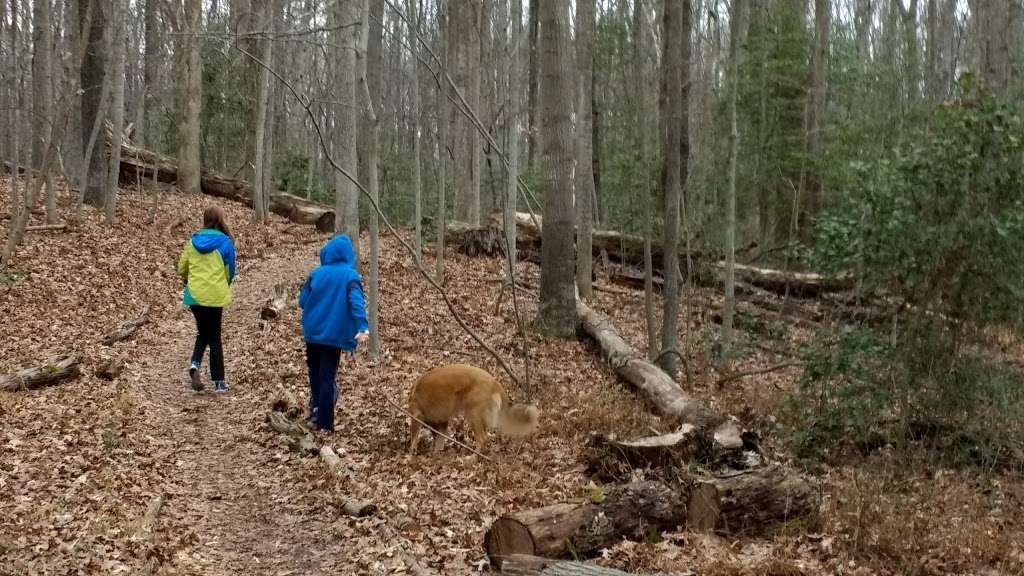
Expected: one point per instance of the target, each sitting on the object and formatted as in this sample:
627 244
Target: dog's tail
517 419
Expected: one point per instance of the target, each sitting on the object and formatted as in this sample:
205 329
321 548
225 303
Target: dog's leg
414 436
480 434
438 439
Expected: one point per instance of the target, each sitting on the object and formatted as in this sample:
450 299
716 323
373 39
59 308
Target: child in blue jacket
333 321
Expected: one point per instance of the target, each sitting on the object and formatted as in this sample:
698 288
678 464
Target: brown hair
213 218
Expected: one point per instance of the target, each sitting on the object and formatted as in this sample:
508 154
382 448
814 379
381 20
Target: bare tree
818 93
150 133
463 42
414 31
585 24
514 106
260 192
371 150
441 222
346 18
119 40
534 86
191 86
735 25
42 96
557 312
93 76
674 111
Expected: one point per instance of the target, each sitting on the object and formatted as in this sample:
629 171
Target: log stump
49 373
751 503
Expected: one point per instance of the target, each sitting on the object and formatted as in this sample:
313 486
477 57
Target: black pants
208 327
322 362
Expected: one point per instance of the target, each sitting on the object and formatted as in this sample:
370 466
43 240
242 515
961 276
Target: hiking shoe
220 387
194 378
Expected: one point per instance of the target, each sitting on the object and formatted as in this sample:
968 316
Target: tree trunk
372 124
441 219
414 31
730 209
369 64
152 133
42 96
463 41
534 86
512 151
673 112
817 100
93 75
119 46
191 79
346 16
585 24
557 311
260 192
584 528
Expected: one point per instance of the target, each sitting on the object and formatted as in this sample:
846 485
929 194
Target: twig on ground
435 431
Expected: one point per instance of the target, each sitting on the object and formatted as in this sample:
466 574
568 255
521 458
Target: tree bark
52 372
151 134
441 219
191 79
585 24
126 329
261 193
534 86
673 113
464 46
371 122
584 528
730 204
118 46
93 74
751 503
557 311
42 95
414 31
346 41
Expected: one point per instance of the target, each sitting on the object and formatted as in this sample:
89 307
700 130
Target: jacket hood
207 240
338 251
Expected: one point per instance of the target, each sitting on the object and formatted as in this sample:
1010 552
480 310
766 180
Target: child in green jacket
207 266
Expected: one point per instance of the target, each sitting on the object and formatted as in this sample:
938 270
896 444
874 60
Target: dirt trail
246 516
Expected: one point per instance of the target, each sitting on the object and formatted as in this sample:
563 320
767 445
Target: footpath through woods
141 474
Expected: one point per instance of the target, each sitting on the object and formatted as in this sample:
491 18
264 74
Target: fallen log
126 329
50 373
111 368
525 565
45 228
141 164
796 284
751 503
661 390
584 528
276 304
682 446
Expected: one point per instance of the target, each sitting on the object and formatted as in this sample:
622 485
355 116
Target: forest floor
81 462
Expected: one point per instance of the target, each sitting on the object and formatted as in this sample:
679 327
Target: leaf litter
82 462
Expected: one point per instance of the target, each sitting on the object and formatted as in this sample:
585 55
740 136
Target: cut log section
277 303
524 565
126 329
584 528
111 368
681 447
50 373
753 503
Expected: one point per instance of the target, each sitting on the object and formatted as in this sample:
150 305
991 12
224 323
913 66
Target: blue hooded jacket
333 310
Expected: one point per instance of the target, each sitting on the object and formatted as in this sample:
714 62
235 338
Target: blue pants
323 392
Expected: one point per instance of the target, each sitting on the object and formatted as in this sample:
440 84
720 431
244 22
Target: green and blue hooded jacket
207 265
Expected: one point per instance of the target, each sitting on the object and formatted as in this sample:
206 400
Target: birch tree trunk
191 79
557 312
585 24
119 46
